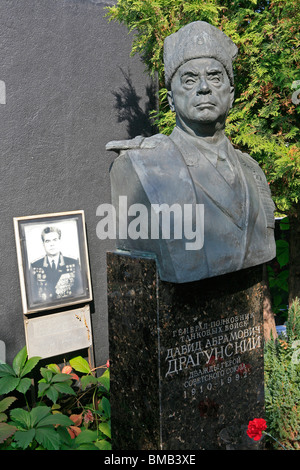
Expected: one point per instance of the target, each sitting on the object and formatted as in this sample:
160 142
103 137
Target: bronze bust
197 167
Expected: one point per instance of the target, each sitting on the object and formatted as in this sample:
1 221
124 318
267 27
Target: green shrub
68 413
282 383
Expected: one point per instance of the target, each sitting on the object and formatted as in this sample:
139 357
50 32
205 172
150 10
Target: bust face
201 94
51 243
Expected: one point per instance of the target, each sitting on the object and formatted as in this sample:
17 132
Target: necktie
53 266
225 168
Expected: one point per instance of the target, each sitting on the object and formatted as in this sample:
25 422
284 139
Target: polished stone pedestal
186 360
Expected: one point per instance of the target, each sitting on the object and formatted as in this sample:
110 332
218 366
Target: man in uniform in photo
54 276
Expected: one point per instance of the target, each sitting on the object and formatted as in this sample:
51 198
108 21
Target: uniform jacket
48 284
238 215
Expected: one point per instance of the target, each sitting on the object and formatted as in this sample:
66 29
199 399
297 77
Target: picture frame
53 262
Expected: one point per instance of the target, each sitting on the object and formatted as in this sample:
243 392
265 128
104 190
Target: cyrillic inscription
211 353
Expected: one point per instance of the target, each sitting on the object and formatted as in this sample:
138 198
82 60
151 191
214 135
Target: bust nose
203 86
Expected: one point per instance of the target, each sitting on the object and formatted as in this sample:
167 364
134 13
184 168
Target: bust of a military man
194 179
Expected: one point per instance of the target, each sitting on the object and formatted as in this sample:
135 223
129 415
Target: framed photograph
53 260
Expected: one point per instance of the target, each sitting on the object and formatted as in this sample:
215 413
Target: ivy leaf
282 252
282 280
19 361
52 394
46 373
8 383
5 370
57 418
3 417
61 378
65 438
54 368
64 388
48 437
30 364
43 386
88 380
21 417
24 438
24 385
6 430
80 364
103 445
86 436
38 413
6 402
285 224
106 407
90 446
105 380
105 428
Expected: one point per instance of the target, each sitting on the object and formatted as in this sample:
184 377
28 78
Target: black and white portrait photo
53 260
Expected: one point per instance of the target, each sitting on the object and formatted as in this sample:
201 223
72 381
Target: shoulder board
136 143
246 157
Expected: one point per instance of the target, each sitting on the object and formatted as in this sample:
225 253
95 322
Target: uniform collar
59 260
213 152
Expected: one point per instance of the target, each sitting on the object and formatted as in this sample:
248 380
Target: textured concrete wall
66 76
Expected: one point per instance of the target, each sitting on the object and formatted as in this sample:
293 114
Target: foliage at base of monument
68 413
278 273
282 383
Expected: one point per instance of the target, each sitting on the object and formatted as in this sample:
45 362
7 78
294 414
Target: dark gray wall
68 77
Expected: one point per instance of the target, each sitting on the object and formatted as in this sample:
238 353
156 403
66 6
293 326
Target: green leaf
277 300
103 445
61 378
105 428
19 361
65 437
54 368
6 430
285 224
88 380
38 413
23 385
282 252
282 280
57 418
90 446
105 380
42 388
5 370
86 436
30 364
6 402
52 394
21 417
48 437
55 407
282 244
3 417
64 388
106 407
46 373
80 365
8 383
24 438
105 374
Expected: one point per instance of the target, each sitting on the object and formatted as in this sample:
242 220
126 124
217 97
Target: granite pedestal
186 359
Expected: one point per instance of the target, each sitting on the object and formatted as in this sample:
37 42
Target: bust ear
171 101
